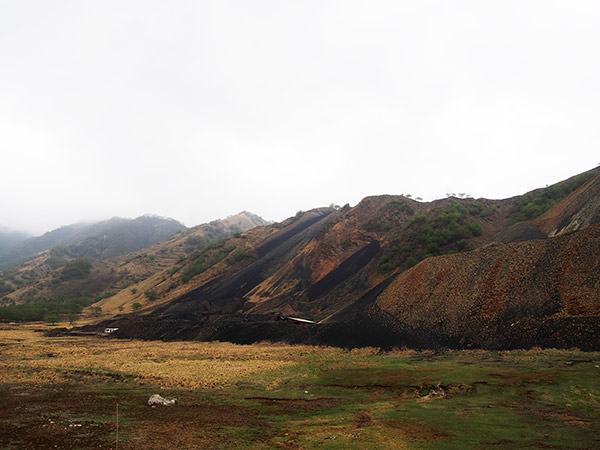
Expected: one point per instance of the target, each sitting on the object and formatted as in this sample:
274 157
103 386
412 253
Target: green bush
447 231
76 269
51 318
205 260
133 258
475 228
400 206
5 288
377 226
151 295
135 306
106 295
38 308
240 255
193 243
533 205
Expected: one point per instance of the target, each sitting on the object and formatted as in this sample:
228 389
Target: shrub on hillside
205 260
38 308
193 243
76 269
151 295
445 232
5 288
51 318
400 206
531 206
240 255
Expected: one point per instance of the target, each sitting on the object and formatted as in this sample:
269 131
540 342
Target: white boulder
157 400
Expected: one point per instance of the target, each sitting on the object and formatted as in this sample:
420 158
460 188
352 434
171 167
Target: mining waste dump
392 272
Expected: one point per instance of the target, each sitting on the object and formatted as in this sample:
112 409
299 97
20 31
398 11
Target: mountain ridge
341 267
9 239
390 271
144 229
42 277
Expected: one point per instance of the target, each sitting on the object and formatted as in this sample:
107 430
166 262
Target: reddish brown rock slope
503 295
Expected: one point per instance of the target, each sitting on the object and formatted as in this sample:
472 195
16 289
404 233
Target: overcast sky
197 110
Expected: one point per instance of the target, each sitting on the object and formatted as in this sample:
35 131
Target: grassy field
74 392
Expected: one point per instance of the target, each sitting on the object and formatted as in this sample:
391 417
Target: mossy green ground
518 399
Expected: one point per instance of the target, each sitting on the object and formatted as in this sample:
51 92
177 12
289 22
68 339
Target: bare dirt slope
525 293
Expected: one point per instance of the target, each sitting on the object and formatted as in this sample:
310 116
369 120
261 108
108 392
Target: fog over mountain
197 110
10 239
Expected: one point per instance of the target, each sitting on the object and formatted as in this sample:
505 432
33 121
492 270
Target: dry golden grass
29 356
281 396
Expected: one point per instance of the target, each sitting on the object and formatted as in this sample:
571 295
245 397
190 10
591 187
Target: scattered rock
157 400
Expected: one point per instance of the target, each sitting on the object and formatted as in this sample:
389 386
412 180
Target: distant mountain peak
9 239
97 240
